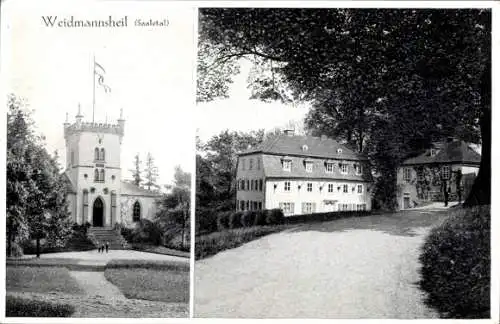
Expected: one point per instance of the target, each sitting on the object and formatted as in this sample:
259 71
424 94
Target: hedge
148 264
322 217
22 307
456 264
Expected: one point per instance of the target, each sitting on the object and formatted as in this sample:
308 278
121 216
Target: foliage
426 71
23 307
175 209
166 265
147 231
213 243
36 194
456 264
151 173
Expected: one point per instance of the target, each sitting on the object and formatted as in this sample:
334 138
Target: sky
149 70
239 113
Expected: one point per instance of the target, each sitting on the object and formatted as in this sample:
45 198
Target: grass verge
41 280
456 264
23 307
213 243
151 284
159 250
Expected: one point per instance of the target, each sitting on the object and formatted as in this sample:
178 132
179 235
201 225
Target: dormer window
309 166
287 164
329 167
434 151
344 168
358 169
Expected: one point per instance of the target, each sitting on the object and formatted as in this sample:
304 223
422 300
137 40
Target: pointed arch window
96 154
101 175
136 212
102 156
96 175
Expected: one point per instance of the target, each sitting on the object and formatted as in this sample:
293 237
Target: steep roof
130 189
316 147
452 152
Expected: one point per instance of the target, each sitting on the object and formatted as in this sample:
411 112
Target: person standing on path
102 248
107 247
98 247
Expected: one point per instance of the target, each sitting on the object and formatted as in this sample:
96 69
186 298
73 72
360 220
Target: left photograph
99 159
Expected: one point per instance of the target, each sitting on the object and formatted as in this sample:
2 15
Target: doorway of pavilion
98 213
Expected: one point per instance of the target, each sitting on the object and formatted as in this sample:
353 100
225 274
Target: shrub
260 218
456 264
22 307
223 220
15 249
206 221
147 232
248 218
235 220
275 217
148 264
127 234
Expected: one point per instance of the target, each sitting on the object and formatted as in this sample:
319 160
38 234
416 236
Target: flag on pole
99 71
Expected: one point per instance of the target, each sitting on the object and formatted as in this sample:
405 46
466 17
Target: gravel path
360 273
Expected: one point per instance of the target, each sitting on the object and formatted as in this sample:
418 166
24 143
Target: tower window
102 155
96 175
72 157
136 215
101 175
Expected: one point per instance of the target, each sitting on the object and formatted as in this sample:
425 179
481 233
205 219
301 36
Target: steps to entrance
108 234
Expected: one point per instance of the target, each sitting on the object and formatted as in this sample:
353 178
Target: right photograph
343 165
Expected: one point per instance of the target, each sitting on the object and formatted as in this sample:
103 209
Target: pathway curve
353 268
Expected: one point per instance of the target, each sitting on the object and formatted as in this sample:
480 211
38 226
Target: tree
150 173
174 211
404 75
36 196
136 171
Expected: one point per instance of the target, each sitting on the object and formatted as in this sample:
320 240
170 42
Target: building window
433 151
136 215
247 204
308 208
72 157
309 186
343 207
248 185
287 165
96 175
344 168
242 164
85 197
261 184
255 205
288 208
446 172
102 155
258 163
101 176
309 166
242 205
358 169
287 185
250 166
407 174
360 188
329 168
96 154
330 187
345 188
251 185
260 205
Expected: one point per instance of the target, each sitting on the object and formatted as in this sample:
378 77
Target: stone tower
94 170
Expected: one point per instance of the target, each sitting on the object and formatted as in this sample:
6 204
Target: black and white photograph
343 163
99 159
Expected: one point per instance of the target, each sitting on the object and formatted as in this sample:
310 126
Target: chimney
289 132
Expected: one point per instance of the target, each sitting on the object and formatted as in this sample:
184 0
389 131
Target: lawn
41 280
213 243
151 284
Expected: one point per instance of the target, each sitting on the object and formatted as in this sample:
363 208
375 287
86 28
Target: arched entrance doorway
98 213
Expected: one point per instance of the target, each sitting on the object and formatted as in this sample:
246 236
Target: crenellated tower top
80 126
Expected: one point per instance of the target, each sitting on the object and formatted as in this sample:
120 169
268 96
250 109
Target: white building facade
95 190
303 175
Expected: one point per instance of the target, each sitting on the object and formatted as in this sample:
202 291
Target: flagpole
93 90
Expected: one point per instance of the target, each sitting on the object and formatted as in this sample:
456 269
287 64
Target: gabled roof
130 189
452 152
315 147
